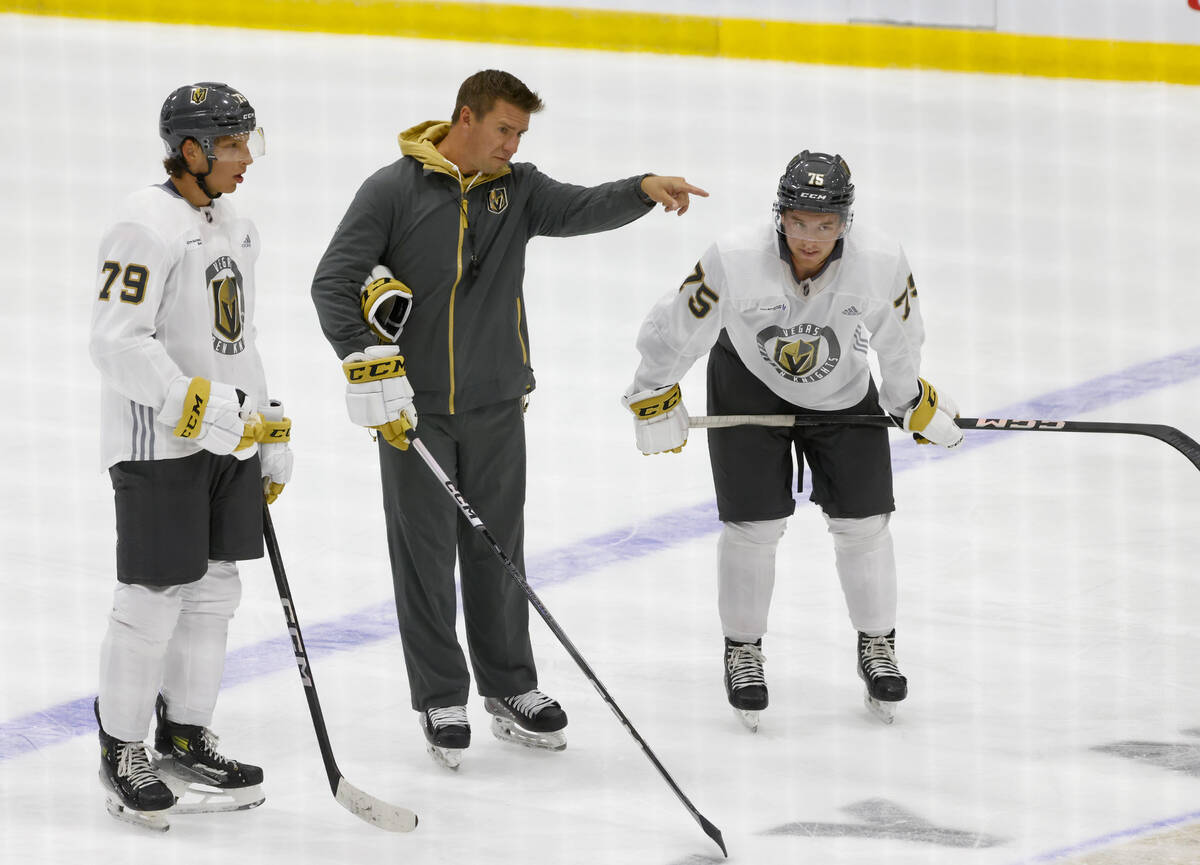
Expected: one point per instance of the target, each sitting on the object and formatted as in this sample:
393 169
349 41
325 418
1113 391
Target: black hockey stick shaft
362 805
513 571
1176 439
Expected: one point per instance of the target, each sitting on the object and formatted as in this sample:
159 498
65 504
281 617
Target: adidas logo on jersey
851 310
246 242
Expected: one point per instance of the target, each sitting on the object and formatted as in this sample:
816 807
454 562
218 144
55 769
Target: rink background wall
1122 40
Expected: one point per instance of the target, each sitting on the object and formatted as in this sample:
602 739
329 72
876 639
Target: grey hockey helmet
816 182
205 112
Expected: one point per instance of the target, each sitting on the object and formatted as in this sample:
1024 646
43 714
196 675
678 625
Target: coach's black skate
878 669
531 719
447 733
135 792
745 685
203 779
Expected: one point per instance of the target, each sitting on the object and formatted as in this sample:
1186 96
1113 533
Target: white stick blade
366 807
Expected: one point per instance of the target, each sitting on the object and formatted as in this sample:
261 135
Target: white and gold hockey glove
275 450
218 417
931 419
378 393
660 422
386 303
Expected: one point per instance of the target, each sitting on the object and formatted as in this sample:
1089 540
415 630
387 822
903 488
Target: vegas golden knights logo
228 305
498 199
797 357
803 353
199 94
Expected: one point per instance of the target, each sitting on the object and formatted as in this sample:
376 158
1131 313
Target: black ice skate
877 668
745 685
447 732
531 719
135 793
204 780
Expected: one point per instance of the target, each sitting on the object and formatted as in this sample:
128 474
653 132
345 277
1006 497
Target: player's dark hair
176 165
484 89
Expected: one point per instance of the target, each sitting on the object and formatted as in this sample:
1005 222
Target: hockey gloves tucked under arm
386 302
218 417
931 420
378 394
660 421
275 450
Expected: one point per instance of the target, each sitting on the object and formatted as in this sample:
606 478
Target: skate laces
201 744
531 703
879 657
134 766
208 747
448 716
745 666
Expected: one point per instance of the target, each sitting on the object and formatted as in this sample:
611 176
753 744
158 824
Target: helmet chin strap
202 181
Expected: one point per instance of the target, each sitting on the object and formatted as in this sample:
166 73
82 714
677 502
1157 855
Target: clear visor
811 225
242 147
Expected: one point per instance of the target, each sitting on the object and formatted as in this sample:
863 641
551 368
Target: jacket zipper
521 339
462 228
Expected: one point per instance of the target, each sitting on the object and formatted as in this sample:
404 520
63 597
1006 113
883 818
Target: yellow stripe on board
592 29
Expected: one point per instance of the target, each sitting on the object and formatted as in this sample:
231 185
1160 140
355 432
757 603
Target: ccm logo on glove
658 404
193 413
368 370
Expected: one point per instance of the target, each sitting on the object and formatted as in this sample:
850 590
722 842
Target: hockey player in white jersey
192 444
785 314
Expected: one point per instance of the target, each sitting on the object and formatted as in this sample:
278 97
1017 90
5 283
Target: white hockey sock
866 566
746 576
195 657
132 656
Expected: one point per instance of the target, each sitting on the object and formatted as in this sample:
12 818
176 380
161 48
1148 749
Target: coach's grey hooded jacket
459 245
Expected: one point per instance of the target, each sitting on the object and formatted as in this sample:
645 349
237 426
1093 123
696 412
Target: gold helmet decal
199 94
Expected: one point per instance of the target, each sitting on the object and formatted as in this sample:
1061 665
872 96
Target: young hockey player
786 314
440 236
192 444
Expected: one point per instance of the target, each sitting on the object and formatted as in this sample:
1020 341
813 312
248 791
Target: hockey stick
362 805
513 571
1176 439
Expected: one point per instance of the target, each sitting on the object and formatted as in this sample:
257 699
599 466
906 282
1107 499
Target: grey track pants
483 452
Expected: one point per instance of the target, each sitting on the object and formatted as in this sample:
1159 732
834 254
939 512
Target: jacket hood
420 142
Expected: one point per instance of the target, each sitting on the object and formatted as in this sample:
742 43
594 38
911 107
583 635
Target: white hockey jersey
807 341
174 296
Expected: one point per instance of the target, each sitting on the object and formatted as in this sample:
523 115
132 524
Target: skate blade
450 758
885 712
196 794
155 821
749 719
507 730
195 798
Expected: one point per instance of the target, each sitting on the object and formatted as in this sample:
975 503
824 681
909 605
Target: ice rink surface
1049 594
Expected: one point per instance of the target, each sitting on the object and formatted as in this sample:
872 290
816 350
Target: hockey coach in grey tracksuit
451 220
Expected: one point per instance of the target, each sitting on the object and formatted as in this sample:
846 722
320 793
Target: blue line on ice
1107 840
58 723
